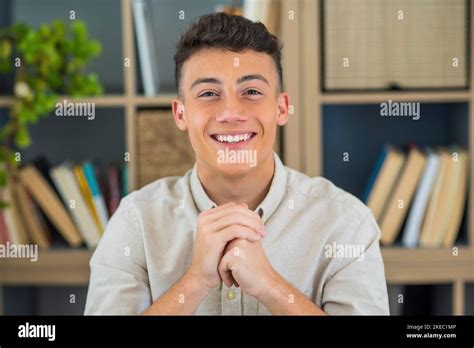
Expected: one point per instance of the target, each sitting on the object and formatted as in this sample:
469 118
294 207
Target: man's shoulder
321 189
339 208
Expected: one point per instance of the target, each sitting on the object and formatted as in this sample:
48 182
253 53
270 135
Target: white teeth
233 138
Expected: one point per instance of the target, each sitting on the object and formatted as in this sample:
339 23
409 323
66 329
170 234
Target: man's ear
178 114
283 108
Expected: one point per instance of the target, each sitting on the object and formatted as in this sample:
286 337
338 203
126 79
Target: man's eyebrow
219 82
252 77
206 80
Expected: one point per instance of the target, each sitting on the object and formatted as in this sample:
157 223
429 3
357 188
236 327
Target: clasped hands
228 248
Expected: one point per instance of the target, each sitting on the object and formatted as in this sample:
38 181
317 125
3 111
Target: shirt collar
200 197
265 209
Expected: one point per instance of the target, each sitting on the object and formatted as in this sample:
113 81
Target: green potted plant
47 62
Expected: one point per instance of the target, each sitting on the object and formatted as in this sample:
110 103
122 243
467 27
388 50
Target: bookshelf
402 266
302 150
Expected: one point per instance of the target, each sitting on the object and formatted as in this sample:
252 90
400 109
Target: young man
239 233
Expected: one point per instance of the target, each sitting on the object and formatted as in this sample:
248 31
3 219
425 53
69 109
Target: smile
233 138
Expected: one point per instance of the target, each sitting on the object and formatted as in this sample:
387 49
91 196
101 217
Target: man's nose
232 111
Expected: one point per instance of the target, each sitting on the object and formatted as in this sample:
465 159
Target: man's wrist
271 287
280 297
194 286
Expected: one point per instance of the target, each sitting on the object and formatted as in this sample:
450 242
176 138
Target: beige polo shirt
318 237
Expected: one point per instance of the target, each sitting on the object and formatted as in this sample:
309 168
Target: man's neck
250 188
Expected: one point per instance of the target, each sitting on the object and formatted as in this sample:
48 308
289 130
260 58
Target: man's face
231 105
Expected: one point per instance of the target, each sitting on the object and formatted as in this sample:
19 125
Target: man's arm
282 298
216 228
181 299
356 285
119 282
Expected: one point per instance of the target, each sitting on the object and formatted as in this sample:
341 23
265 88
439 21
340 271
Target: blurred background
381 104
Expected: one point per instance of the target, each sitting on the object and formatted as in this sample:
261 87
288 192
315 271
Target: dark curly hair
234 33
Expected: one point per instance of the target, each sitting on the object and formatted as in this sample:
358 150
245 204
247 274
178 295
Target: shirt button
231 295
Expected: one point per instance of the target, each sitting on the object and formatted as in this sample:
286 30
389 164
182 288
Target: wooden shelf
118 100
163 100
379 97
402 266
6 102
58 267
106 100
428 266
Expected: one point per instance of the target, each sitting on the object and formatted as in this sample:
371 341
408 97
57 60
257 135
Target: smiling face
230 101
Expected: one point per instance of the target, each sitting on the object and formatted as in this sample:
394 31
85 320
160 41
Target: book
113 199
229 9
451 190
3 229
124 180
458 200
420 202
97 197
16 229
373 176
400 199
49 202
87 195
3 226
33 221
146 47
65 180
43 166
436 214
387 175
264 11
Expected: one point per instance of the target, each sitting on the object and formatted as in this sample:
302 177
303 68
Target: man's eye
253 92
208 94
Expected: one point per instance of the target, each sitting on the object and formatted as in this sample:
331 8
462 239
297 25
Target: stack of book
66 202
422 191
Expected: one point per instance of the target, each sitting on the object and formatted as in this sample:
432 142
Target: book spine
143 47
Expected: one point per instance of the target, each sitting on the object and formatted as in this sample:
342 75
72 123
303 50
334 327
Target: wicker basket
163 150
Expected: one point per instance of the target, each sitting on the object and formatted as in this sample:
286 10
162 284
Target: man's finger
237 218
237 231
225 273
231 209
